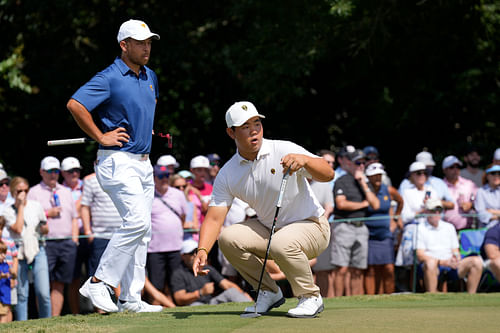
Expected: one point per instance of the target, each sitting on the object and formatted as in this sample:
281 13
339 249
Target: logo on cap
273 171
244 107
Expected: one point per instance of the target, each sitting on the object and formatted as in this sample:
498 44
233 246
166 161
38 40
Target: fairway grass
449 312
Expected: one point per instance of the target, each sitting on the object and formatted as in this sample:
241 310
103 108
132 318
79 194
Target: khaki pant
244 245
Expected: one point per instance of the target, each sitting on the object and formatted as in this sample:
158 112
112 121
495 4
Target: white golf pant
128 180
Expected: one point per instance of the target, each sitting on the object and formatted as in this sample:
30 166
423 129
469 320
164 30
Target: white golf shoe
138 307
308 307
99 294
266 301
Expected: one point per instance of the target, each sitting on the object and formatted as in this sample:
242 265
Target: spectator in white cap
168 161
496 156
254 174
437 183
57 202
379 276
414 198
487 203
437 252
71 170
122 98
202 189
463 192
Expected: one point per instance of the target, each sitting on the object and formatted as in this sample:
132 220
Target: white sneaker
99 295
308 307
138 307
266 301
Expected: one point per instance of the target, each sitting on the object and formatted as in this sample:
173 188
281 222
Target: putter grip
282 188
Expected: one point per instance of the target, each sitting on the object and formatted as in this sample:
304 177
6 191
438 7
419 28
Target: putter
68 141
278 205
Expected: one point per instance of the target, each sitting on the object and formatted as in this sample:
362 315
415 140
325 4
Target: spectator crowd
384 238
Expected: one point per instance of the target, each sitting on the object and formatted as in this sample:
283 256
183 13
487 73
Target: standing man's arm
319 169
84 120
209 233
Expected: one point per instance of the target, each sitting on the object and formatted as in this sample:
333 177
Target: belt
138 157
356 223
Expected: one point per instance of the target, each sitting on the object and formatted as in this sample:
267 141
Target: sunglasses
74 170
494 173
21 191
359 162
454 166
6 183
180 187
163 175
52 171
420 173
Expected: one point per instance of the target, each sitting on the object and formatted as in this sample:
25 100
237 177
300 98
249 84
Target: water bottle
57 203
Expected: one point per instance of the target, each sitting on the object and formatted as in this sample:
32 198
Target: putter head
250 315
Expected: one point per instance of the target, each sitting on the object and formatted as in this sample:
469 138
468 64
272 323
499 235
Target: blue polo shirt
120 98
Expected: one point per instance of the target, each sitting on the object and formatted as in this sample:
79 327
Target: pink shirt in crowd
463 190
166 227
58 226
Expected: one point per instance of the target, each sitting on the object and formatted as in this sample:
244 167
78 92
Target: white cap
496 155
375 169
200 161
70 163
426 158
188 246
167 160
240 112
433 203
50 162
135 29
3 174
417 166
451 160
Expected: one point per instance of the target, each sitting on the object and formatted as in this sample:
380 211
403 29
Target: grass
386 313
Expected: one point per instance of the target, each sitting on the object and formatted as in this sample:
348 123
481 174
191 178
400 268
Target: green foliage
326 72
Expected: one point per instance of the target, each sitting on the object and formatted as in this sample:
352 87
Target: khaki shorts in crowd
4 309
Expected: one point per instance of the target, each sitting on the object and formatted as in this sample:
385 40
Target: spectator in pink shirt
463 192
57 202
167 231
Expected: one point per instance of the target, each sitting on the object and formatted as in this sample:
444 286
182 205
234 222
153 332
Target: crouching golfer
254 175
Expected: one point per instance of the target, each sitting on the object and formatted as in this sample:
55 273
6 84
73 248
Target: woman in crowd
379 277
487 203
27 223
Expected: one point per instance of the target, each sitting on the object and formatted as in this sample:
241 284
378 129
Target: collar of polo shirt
265 149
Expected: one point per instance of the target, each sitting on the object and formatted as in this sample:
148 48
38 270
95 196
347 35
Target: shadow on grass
187 315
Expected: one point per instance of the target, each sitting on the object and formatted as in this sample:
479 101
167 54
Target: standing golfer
254 175
123 97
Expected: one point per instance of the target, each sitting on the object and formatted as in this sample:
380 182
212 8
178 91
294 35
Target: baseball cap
70 163
433 204
213 157
375 169
451 160
426 158
185 174
496 155
355 155
494 168
50 162
345 150
188 246
416 166
160 170
167 160
370 150
240 112
135 29
199 161
3 174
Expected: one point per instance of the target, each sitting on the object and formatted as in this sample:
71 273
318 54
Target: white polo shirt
258 182
437 242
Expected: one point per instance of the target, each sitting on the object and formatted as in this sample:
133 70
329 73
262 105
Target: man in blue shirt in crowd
123 97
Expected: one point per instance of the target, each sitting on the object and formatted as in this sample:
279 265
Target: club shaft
278 205
64 142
